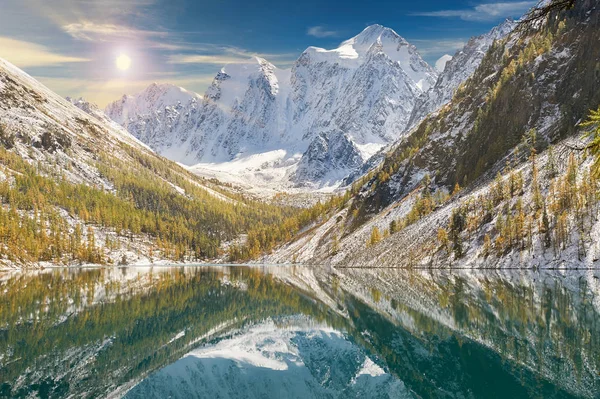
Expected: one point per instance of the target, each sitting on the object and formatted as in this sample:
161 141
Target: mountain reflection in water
298 332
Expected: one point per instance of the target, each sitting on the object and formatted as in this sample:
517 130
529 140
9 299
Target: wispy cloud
321 31
95 32
63 12
483 12
205 59
172 46
26 54
432 47
213 55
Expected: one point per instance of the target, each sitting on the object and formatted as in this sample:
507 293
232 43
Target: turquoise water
298 332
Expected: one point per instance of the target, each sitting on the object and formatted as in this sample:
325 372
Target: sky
72 46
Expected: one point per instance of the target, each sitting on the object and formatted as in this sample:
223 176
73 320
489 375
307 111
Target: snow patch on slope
440 64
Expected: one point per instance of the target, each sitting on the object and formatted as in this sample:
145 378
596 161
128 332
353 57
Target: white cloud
63 12
172 46
484 12
25 54
320 32
205 59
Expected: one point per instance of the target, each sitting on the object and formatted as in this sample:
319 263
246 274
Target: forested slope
498 177
76 188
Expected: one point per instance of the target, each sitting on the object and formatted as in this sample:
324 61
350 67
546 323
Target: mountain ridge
267 108
367 88
483 182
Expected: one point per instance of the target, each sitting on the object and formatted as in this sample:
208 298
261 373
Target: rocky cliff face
158 116
329 158
456 71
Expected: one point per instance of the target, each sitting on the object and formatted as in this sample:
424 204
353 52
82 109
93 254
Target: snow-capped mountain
156 115
266 361
67 146
311 125
457 70
365 88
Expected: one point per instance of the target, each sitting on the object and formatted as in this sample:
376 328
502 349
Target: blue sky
71 45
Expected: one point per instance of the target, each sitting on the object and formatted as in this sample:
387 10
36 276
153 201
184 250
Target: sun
123 62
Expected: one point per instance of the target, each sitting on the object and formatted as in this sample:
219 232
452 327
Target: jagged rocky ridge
457 70
366 89
326 153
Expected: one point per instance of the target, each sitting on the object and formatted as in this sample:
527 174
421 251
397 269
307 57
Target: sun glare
123 62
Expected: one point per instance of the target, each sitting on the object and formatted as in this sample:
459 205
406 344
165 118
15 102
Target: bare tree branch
541 12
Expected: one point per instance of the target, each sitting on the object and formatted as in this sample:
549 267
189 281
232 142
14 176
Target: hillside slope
528 198
77 188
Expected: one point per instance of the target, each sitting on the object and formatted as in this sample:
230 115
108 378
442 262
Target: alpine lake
299 332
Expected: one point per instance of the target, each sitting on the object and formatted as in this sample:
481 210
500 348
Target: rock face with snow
366 88
328 152
158 116
457 70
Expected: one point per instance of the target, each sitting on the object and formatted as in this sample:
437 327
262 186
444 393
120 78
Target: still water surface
299 332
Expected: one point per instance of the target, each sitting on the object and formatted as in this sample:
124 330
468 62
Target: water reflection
294 359
485 334
293 332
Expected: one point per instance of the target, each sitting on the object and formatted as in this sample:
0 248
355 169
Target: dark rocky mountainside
547 80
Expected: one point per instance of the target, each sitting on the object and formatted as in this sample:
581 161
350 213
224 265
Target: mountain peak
440 64
376 39
507 26
167 90
372 33
161 87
